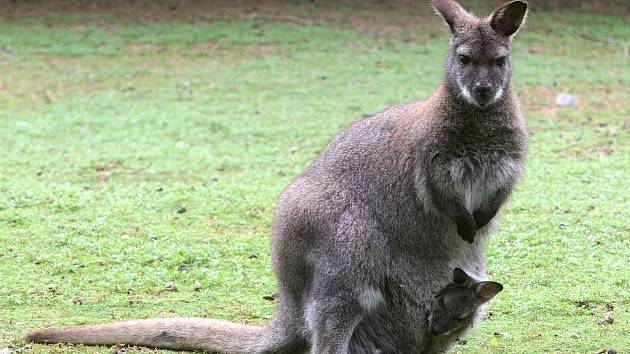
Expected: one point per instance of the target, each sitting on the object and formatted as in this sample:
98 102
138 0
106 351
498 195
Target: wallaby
455 306
363 238
454 310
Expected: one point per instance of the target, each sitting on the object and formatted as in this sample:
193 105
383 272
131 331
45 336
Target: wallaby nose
482 89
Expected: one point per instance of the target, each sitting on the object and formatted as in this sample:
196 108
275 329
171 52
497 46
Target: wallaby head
478 65
454 307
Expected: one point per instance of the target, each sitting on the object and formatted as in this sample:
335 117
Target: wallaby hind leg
286 333
332 313
332 321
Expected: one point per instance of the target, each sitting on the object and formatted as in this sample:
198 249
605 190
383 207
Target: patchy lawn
144 146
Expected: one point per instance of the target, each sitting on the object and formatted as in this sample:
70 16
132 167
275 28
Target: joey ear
461 278
486 290
507 19
452 12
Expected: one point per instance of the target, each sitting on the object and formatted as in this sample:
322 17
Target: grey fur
364 237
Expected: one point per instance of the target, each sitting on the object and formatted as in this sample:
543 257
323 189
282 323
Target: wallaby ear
486 290
461 278
452 12
507 19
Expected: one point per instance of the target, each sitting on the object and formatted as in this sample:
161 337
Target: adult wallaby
367 234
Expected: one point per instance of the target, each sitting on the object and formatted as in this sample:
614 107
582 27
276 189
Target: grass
137 155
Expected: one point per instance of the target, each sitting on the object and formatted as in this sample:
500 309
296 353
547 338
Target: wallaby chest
480 162
476 175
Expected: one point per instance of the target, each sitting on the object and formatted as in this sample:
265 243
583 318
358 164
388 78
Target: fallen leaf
608 319
583 303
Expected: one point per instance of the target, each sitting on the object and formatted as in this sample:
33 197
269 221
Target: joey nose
434 331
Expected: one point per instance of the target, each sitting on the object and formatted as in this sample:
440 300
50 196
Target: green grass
109 128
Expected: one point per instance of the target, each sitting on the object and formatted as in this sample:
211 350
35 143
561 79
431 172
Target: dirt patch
610 7
591 99
379 17
405 20
143 48
251 50
107 166
538 99
234 53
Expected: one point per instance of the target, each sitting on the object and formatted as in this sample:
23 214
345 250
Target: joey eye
500 61
464 59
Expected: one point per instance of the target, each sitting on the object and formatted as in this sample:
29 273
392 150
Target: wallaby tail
168 333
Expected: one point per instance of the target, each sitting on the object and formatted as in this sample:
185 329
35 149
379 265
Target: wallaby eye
500 61
464 59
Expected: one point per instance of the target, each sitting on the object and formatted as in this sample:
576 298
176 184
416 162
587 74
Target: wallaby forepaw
467 233
469 237
483 218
